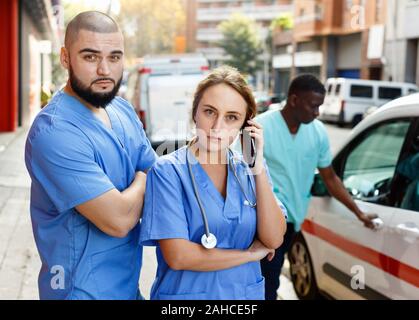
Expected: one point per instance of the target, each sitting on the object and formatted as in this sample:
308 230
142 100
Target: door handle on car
408 229
378 223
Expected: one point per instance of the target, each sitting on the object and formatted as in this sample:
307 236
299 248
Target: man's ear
64 58
292 100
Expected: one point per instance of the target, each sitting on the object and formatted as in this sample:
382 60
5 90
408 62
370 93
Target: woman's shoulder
171 162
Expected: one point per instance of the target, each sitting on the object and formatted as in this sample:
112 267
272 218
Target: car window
370 166
408 177
329 88
361 91
337 89
389 93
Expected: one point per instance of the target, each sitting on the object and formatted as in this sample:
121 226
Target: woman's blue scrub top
171 211
72 157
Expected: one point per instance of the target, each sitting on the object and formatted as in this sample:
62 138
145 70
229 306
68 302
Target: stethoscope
209 240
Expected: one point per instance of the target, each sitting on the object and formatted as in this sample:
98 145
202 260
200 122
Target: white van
161 90
347 99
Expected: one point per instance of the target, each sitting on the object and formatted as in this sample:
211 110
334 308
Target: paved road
19 260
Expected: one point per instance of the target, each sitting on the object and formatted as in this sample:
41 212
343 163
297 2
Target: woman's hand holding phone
253 157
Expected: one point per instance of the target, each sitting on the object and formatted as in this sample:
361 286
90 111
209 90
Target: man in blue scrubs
86 154
295 145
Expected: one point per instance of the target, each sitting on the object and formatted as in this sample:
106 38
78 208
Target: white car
334 254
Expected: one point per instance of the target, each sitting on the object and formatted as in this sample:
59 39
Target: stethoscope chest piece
209 242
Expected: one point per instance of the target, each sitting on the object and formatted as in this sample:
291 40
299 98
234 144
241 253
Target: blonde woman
211 216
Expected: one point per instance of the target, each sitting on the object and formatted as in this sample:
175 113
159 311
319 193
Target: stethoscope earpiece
209 242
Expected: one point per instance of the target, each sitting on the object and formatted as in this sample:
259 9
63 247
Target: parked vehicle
347 99
334 254
277 105
262 100
161 90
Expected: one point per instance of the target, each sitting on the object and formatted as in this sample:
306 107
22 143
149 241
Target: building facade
204 16
29 31
331 38
402 41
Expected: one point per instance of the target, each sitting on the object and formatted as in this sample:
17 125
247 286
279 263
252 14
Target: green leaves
241 41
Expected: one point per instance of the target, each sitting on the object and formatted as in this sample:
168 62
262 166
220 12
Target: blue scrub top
171 211
72 157
293 159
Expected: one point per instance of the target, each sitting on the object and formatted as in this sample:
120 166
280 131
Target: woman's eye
209 112
231 118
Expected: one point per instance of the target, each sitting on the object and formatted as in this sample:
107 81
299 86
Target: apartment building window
319 11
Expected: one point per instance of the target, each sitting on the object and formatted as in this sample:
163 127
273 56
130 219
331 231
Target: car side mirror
318 189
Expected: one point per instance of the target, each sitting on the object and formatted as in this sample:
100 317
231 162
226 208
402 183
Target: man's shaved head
94 21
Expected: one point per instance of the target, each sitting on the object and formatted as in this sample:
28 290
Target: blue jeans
271 270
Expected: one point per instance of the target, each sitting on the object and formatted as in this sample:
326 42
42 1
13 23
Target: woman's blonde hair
231 77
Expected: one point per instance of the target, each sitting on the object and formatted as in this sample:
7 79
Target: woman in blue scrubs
242 218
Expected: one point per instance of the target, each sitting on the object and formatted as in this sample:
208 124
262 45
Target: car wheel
341 119
301 269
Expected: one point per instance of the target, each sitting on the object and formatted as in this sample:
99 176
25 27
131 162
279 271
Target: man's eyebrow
89 50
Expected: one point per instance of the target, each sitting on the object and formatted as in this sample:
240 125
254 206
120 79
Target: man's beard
96 99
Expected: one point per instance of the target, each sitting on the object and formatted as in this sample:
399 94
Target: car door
403 241
352 260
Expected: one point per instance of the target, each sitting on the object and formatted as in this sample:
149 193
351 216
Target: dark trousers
271 270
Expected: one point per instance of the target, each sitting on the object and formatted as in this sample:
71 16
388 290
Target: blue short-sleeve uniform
293 159
171 211
72 157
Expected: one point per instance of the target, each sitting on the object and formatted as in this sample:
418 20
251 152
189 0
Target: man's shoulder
319 128
267 116
270 120
51 126
122 105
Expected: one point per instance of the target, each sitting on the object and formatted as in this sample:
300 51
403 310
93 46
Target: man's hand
367 219
337 189
115 212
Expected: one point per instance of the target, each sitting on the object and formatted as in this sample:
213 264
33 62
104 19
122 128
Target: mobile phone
248 148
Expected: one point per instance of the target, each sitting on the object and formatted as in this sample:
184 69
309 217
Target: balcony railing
254 12
213 34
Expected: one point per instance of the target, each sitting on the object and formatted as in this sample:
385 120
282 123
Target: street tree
151 26
242 42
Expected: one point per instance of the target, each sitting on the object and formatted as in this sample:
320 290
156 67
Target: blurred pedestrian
295 145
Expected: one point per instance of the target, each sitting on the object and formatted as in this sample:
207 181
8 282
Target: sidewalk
19 260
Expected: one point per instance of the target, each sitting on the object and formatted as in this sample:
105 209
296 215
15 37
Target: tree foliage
241 41
284 21
151 26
